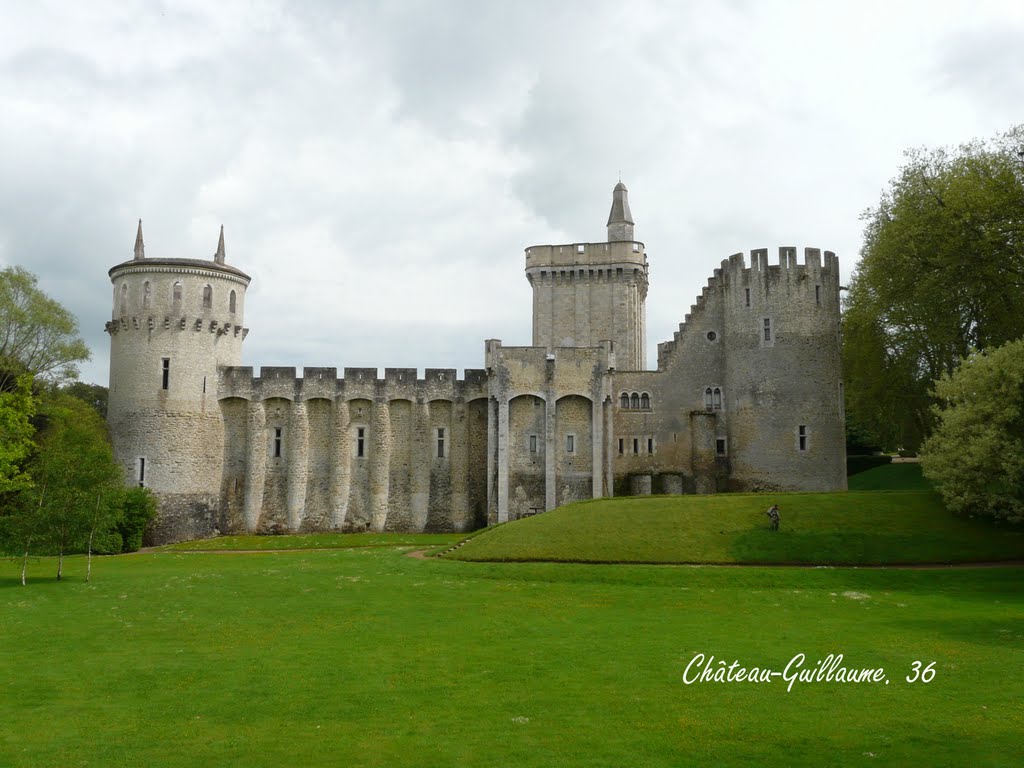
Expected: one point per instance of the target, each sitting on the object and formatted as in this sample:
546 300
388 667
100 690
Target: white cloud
379 167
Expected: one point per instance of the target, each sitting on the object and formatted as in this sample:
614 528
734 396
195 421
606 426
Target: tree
95 395
941 275
975 457
37 334
137 509
76 479
17 406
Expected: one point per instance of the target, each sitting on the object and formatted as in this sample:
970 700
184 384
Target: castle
747 395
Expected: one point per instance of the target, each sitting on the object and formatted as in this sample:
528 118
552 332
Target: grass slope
364 657
855 528
890 477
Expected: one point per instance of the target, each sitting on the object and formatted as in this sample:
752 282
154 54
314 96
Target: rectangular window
621 446
802 437
142 472
360 442
204 385
570 443
720 446
165 364
650 445
440 442
533 443
748 297
817 294
277 442
767 329
636 445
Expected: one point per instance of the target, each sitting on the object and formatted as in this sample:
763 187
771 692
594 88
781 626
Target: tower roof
140 247
219 256
620 213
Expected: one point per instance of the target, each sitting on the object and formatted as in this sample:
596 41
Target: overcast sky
379 167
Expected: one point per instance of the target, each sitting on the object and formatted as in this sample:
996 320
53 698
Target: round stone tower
174 323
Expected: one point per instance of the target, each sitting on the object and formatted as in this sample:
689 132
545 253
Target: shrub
975 457
139 507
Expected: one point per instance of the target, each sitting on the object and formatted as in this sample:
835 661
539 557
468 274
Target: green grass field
891 477
859 528
344 651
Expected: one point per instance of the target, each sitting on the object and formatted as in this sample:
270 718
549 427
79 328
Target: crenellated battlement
356 383
759 277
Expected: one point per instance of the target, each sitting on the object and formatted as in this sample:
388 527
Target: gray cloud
379 167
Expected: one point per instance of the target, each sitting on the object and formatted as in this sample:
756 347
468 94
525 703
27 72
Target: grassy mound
856 528
891 477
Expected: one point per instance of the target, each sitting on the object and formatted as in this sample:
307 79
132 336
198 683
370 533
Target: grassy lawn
316 541
365 657
891 477
855 528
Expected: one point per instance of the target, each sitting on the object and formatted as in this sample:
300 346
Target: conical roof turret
140 247
219 256
620 218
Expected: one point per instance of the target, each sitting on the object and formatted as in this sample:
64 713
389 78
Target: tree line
933 322
60 490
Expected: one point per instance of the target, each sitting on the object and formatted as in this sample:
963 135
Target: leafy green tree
137 509
975 457
941 275
17 406
37 334
75 477
95 395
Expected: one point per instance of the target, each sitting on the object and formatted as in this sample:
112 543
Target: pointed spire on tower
219 255
140 247
620 219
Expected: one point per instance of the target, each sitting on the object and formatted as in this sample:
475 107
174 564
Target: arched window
207 297
624 400
231 303
634 400
124 299
147 294
708 401
718 399
176 295
645 401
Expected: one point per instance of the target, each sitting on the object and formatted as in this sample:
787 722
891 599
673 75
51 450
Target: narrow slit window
817 295
709 402
533 443
718 399
207 297
622 446
142 472
165 373
747 294
650 445
570 443
231 302
720 446
277 442
440 442
176 295
767 329
360 442
636 445
802 437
